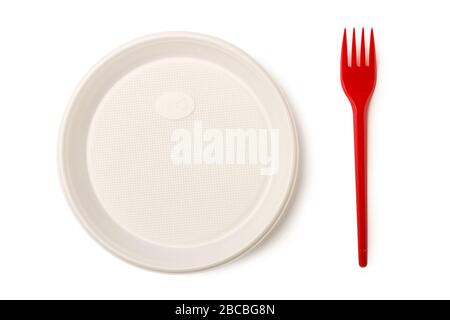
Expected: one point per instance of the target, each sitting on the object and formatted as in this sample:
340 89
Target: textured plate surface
151 158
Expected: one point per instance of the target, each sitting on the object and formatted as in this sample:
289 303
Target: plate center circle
174 105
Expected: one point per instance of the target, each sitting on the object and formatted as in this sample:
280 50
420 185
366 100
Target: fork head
358 79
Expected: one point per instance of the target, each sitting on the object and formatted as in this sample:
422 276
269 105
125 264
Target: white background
48 46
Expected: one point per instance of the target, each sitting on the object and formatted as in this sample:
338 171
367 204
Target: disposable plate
178 152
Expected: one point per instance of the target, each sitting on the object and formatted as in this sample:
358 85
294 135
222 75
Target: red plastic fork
358 81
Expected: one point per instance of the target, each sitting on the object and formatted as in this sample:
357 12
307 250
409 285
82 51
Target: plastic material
122 128
358 81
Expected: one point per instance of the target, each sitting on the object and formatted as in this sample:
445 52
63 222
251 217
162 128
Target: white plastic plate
178 152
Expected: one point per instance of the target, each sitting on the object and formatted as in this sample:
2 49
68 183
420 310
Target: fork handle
360 137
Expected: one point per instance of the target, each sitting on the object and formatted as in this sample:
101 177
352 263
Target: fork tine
344 52
372 55
362 59
354 49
